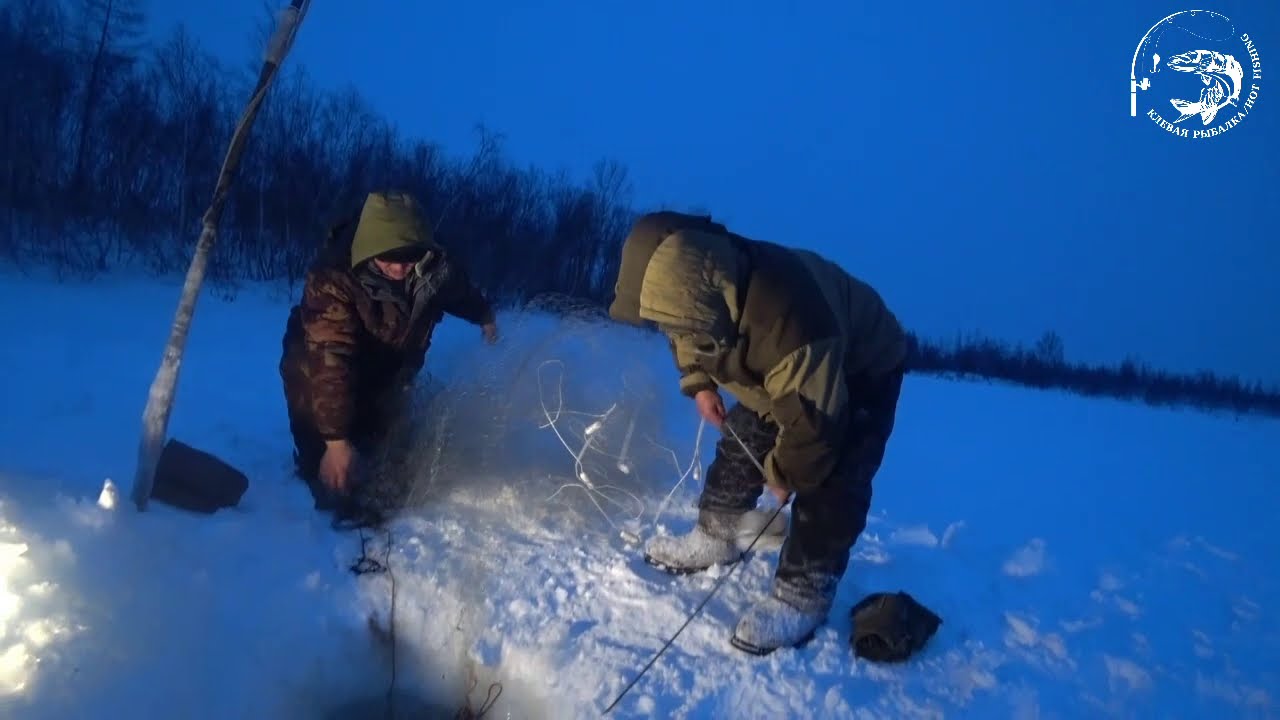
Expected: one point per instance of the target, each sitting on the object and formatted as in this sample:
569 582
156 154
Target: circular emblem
1195 75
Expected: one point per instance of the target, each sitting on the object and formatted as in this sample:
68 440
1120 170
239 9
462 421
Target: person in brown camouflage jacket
359 335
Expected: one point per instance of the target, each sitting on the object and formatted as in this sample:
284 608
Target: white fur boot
711 542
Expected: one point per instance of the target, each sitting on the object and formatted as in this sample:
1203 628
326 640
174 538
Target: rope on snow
714 588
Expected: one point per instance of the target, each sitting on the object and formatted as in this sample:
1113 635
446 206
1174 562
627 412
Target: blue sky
978 165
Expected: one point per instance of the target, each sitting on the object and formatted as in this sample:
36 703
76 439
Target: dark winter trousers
825 520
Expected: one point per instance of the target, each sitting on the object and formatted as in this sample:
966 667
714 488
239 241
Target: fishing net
564 420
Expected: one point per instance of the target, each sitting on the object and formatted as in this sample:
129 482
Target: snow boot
711 542
773 623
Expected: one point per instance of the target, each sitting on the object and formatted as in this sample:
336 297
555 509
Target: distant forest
113 144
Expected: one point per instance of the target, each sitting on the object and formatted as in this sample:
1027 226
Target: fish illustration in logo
1222 76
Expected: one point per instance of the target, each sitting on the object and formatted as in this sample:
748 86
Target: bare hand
710 406
336 464
490 331
780 493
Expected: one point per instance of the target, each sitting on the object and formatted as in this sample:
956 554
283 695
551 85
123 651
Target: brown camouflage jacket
356 336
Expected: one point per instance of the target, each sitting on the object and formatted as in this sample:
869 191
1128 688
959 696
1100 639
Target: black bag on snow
891 627
194 480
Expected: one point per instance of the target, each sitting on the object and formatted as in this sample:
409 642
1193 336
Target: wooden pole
155 418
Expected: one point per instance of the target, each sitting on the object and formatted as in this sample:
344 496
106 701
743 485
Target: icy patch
15 669
15 663
968 673
1125 674
1194 569
1216 550
1105 593
834 704
1021 634
486 650
874 555
919 535
28 627
1202 644
1141 642
1024 704
1239 695
109 497
948 535
1109 583
1027 561
1020 631
1246 610
1075 626
84 513
1127 606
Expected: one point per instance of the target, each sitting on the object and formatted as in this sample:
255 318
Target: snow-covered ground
1089 558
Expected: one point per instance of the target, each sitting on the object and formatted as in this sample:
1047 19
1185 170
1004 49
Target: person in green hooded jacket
359 335
815 360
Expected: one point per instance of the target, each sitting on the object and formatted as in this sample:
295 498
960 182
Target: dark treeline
112 144
1045 366
113 147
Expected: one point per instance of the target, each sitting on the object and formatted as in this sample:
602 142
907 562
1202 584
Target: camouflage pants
379 435
826 520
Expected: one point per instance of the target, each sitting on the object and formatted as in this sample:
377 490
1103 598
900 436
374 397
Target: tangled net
590 429
564 420
598 390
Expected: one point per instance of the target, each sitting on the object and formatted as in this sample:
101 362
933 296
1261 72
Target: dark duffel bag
194 480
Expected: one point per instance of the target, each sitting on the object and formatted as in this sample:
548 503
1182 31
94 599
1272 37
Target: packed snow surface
1089 558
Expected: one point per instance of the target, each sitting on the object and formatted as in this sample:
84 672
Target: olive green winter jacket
784 331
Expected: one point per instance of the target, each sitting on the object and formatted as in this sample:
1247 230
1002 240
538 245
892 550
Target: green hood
648 232
389 222
691 286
